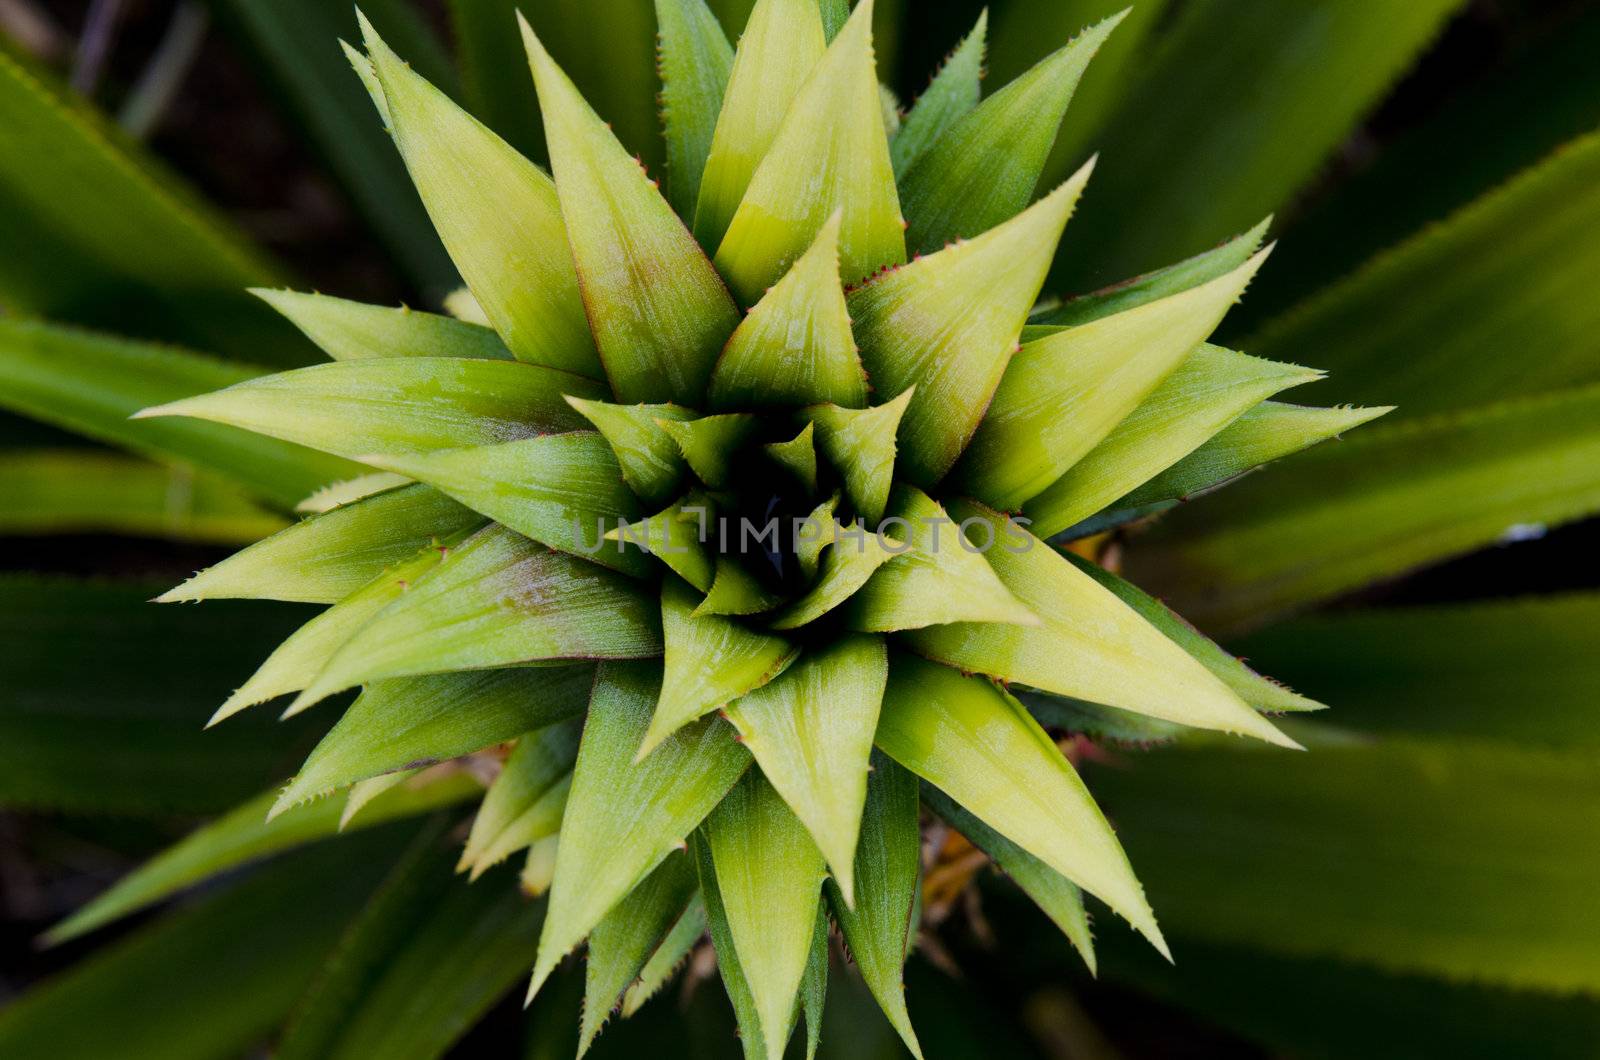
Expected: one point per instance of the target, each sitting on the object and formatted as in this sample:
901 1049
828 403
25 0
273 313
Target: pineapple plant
740 550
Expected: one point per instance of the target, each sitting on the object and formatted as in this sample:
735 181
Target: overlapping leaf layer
710 517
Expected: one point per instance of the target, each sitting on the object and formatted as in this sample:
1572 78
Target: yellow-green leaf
1090 646
779 45
710 661
650 458
347 330
395 405
795 346
948 324
860 444
624 817
984 169
695 61
660 313
498 215
769 876
562 490
981 747
1063 394
810 730
829 154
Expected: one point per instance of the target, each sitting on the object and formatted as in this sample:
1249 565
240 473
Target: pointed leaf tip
659 312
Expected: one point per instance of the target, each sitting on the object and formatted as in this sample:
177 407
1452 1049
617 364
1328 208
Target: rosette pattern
725 515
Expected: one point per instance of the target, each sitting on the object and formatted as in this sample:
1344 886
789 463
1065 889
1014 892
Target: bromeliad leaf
860 445
526 800
982 748
411 721
780 44
984 169
626 938
498 600
941 578
948 324
851 559
953 93
672 952
650 459
244 835
658 310
92 384
769 876
1152 286
710 661
66 491
751 1039
498 215
709 444
348 331
1263 434
810 730
1211 388
296 662
1058 896
888 861
395 405
735 591
829 155
624 817
1065 393
795 346
328 557
695 61
676 536
799 456
561 490
1383 503
1260 692
1090 646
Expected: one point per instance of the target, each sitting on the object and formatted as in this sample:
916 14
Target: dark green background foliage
1423 882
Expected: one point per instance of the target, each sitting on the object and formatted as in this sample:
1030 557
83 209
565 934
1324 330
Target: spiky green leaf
1211 388
1062 395
941 578
695 60
326 558
650 458
769 876
861 444
777 49
795 346
830 154
561 490
948 324
395 406
811 731
1091 644
624 817
497 600
658 310
888 863
421 720
979 746
347 330
498 215
952 94
627 937
984 169
710 661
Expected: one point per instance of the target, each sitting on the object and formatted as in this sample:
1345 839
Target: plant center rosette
735 510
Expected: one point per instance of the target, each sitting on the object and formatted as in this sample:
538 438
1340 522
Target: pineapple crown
735 504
